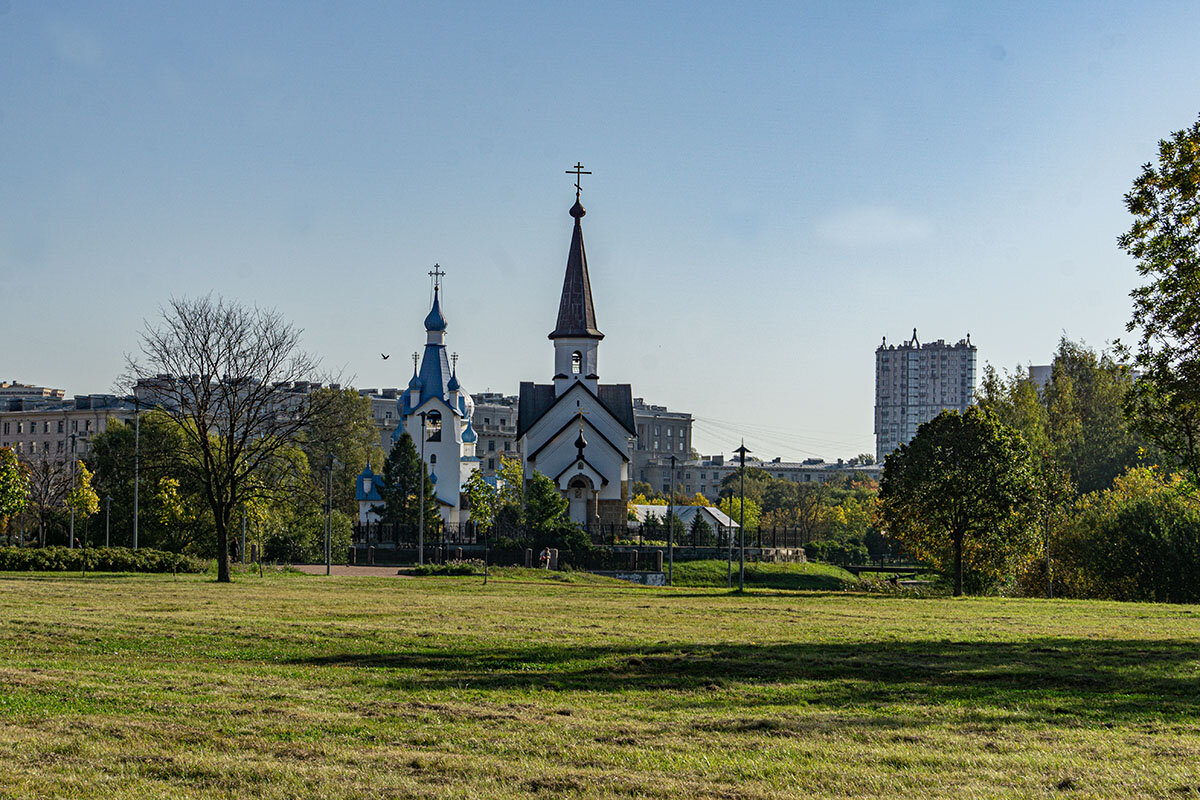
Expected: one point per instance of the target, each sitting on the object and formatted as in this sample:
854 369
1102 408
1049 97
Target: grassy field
297 686
765 575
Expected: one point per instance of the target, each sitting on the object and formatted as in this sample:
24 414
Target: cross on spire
415 358
454 361
578 170
437 273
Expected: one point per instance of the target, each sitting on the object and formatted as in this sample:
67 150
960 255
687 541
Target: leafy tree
757 481
546 517
732 506
14 486
401 486
82 497
1164 240
229 391
962 491
484 499
1139 540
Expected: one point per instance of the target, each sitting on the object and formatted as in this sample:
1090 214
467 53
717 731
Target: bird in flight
385 356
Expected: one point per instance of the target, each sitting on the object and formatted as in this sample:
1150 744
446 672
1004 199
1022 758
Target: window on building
46 426
60 446
504 420
20 427
657 430
60 426
87 425
75 425
487 420
508 447
491 463
433 426
681 447
656 445
670 431
432 459
6 428
576 362
491 445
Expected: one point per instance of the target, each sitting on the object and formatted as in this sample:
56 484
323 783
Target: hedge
96 559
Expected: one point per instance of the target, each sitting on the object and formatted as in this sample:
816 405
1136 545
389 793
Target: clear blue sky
775 188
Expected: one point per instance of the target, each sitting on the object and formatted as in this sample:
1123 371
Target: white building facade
576 430
915 382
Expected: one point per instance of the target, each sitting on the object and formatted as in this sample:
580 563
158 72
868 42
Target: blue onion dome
415 383
435 321
469 435
433 477
452 386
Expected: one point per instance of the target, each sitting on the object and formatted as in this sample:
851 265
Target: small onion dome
433 477
581 442
469 434
452 386
416 382
435 321
577 210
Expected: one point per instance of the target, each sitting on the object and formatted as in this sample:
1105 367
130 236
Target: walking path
342 570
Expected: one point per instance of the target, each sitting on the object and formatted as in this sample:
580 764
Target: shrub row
96 559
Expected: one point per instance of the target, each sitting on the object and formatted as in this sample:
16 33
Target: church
435 410
576 430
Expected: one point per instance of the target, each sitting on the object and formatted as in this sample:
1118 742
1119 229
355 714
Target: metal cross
415 362
454 361
578 170
437 273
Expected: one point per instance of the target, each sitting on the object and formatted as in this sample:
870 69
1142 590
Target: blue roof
360 492
435 321
469 435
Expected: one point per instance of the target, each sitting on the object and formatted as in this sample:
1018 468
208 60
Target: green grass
311 687
764 575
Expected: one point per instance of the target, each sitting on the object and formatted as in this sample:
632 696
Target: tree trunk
222 551
958 566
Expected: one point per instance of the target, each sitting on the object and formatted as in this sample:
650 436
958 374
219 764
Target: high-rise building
915 382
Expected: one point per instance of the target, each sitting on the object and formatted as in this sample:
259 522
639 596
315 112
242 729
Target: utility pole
329 516
421 496
71 544
137 437
671 529
741 451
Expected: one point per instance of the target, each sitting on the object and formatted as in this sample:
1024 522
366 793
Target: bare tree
49 483
235 381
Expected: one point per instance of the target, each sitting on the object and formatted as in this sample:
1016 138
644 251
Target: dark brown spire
576 316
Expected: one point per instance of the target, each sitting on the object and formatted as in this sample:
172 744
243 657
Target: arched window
433 426
432 459
576 362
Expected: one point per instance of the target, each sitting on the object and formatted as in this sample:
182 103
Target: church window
432 459
576 362
433 426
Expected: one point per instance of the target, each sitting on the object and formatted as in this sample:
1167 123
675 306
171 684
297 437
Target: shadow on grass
1047 679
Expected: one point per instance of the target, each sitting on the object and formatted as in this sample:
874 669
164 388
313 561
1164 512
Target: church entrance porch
581 499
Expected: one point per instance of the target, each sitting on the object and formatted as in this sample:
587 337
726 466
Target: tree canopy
1164 240
961 494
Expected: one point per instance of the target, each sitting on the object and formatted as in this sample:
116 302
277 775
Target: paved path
341 570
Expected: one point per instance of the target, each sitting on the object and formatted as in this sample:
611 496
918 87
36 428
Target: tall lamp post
71 544
421 495
107 515
741 451
671 529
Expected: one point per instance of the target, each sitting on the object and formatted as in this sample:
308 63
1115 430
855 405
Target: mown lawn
305 687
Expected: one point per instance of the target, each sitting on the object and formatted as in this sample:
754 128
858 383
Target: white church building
577 430
436 412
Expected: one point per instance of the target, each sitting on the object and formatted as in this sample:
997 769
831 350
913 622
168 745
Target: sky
775 187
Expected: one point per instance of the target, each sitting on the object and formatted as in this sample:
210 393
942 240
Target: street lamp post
70 499
137 437
671 529
741 451
107 514
329 515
